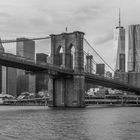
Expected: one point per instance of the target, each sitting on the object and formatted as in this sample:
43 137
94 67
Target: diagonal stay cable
99 55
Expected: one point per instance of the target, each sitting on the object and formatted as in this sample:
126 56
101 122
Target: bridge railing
122 99
33 101
46 65
10 55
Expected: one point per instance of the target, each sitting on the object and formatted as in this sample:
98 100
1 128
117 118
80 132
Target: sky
39 18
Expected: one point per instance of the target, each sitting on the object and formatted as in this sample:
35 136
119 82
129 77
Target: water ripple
41 123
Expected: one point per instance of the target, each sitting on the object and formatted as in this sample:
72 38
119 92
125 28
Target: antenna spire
119 17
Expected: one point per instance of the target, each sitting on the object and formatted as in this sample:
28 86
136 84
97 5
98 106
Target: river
43 123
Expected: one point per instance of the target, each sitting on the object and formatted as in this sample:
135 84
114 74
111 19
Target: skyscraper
41 78
2 73
25 49
119 42
100 69
89 65
134 48
11 81
7 77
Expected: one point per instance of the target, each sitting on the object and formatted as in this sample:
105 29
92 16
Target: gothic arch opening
71 56
59 56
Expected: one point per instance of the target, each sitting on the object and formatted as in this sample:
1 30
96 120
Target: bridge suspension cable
99 55
23 39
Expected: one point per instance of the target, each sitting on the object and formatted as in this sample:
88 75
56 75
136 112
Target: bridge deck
14 61
111 83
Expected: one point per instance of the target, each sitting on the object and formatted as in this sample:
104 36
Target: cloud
97 18
104 38
4 15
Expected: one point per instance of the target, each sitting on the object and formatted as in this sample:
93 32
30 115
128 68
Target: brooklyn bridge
70 69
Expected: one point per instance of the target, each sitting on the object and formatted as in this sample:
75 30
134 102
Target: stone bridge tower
67 52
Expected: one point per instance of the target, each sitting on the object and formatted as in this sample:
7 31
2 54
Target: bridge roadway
10 60
110 83
19 62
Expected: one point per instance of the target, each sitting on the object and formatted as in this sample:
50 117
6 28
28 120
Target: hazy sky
97 18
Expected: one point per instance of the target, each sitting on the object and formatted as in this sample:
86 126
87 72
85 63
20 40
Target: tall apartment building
26 49
100 69
4 88
7 77
11 81
89 64
119 42
41 78
134 48
2 73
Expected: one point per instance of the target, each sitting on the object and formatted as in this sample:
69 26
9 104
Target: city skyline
70 69
96 18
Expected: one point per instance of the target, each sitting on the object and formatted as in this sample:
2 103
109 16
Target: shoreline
16 108
26 107
112 105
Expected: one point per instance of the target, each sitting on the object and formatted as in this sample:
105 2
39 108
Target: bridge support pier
68 92
79 90
51 91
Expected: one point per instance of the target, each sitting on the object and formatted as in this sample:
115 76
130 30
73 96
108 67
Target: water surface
42 123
